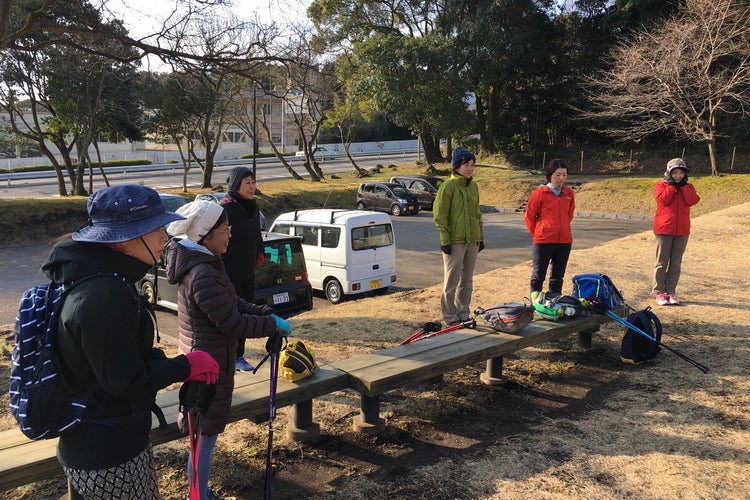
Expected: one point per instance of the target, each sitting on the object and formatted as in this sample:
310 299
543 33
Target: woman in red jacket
549 212
674 196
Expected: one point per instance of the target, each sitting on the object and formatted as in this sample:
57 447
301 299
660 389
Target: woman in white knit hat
211 316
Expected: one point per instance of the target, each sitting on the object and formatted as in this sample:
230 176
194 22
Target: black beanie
460 155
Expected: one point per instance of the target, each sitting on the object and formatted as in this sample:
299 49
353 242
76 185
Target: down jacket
212 318
673 208
548 216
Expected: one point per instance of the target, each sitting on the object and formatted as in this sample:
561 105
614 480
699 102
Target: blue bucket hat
122 213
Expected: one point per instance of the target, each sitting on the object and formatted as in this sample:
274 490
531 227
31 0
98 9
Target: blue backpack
39 398
597 288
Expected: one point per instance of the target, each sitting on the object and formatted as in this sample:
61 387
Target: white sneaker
673 299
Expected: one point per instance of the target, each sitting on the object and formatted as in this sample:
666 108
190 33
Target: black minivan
281 280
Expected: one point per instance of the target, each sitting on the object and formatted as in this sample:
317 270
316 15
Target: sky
144 17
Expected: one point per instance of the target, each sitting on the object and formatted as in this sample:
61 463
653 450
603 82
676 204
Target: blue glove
282 326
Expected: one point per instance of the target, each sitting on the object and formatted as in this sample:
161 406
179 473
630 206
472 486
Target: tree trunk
431 148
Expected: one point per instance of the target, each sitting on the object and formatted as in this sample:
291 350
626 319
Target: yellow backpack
297 361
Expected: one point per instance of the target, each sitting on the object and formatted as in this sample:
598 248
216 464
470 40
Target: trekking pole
468 323
195 398
429 327
631 326
273 348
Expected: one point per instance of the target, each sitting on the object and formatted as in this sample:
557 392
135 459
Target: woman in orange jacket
674 196
549 212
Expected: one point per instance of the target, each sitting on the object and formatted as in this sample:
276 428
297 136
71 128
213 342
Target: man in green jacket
459 223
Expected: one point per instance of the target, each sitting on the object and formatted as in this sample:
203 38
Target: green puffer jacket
456 211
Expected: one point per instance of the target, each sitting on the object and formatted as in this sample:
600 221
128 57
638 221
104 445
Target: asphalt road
419 262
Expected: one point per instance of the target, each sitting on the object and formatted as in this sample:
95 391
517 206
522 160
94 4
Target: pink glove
202 367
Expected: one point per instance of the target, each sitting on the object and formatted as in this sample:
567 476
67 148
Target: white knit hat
200 218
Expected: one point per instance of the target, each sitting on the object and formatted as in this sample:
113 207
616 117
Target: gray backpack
509 317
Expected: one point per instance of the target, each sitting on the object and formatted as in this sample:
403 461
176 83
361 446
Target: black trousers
541 256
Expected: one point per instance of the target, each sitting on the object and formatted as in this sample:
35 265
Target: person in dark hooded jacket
211 316
106 342
245 250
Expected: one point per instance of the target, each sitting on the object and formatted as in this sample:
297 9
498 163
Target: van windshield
380 235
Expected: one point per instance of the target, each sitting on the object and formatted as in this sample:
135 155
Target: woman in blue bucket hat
106 342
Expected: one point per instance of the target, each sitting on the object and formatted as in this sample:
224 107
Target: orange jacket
548 216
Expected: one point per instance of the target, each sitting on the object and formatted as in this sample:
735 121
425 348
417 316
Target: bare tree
680 76
91 26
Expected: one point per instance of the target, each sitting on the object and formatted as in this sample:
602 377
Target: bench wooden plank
375 373
25 461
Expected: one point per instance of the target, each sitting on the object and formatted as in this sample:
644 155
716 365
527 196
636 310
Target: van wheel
396 210
360 206
147 289
334 292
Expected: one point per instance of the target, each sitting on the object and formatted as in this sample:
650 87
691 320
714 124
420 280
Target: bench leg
493 375
369 419
303 428
584 338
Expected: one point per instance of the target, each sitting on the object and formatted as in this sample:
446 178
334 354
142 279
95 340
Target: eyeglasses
225 229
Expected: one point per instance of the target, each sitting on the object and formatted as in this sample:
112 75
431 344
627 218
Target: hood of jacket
184 255
70 260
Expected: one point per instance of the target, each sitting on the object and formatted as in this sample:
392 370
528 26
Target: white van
347 252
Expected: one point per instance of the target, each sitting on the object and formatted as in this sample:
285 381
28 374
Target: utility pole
255 141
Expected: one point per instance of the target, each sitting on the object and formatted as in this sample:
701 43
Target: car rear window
380 235
281 256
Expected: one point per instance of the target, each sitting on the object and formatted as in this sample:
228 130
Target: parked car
320 153
425 188
172 202
390 197
347 252
281 280
217 196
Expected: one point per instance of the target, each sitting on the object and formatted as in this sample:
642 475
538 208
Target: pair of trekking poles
196 397
597 306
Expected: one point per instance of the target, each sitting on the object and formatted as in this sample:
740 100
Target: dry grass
572 423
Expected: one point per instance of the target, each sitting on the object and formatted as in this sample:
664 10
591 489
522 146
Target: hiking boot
212 495
673 299
662 299
242 365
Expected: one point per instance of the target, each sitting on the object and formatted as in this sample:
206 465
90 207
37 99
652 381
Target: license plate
280 298
375 284
410 207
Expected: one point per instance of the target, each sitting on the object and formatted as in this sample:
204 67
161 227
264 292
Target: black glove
265 310
671 181
446 249
274 343
481 246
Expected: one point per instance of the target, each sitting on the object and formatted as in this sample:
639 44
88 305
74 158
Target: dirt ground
571 422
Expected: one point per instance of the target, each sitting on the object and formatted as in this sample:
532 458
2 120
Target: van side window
330 237
309 234
380 235
281 228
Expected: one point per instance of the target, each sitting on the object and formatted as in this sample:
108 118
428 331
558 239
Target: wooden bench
376 373
24 461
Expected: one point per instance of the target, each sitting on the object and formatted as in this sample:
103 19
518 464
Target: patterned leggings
134 479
